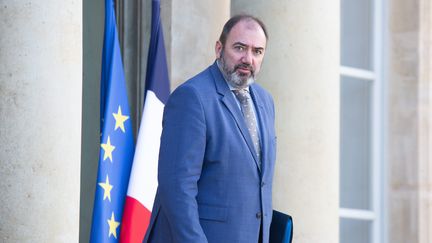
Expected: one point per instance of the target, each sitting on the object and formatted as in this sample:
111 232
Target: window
361 180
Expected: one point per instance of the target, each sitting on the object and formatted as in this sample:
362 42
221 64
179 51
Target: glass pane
356 34
355 170
355 231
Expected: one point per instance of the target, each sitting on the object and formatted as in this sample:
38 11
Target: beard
233 78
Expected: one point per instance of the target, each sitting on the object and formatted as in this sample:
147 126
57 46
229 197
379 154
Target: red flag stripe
136 219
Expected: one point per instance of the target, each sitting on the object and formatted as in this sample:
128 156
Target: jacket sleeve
181 156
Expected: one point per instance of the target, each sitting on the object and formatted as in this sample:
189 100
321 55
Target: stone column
40 120
410 133
403 122
425 125
301 70
193 28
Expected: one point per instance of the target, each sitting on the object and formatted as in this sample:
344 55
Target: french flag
143 178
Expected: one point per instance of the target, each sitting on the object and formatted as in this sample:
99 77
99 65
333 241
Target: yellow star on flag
112 226
107 189
120 119
108 149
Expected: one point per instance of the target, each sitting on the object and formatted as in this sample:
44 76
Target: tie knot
242 95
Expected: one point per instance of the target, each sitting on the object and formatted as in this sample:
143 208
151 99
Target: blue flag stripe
157 79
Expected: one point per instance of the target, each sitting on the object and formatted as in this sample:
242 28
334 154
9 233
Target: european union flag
116 145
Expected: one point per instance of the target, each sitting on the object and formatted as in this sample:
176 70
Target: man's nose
247 57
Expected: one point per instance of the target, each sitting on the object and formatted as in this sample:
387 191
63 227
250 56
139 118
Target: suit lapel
229 101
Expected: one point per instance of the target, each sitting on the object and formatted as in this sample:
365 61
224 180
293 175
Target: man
218 148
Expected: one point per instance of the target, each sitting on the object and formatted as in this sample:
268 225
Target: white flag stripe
143 178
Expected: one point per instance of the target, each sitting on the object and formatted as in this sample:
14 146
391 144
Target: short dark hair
234 20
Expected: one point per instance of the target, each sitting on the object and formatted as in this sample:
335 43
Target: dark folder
281 228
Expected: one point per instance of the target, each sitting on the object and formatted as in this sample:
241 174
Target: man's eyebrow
243 44
239 43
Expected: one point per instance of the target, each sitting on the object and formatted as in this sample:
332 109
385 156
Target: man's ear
218 49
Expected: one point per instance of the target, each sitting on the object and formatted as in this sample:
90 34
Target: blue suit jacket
210 186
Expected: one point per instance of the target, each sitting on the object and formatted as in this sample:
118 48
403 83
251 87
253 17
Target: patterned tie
246 104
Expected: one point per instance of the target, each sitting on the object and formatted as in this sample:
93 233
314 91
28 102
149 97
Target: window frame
377 77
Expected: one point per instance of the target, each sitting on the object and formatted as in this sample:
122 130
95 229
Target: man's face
242 54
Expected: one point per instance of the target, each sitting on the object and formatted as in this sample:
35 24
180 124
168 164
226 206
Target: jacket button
258 215
262 184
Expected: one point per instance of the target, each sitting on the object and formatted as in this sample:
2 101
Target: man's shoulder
203 78
201 81
200 85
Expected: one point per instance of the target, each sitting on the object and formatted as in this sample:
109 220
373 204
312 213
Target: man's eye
258 52
239 48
